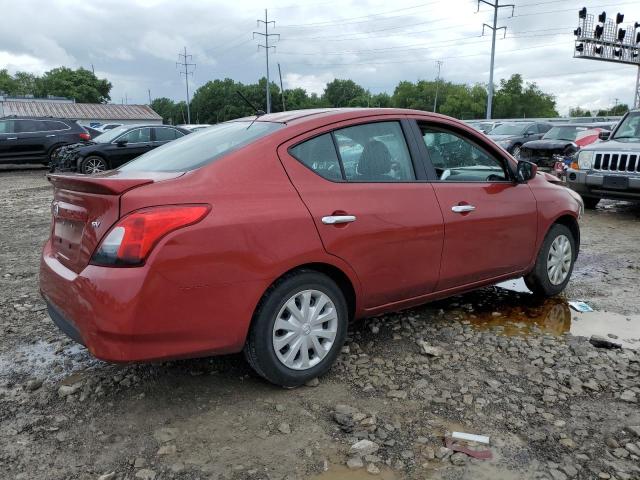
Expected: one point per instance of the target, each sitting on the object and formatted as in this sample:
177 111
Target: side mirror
122 143
604 134
525 171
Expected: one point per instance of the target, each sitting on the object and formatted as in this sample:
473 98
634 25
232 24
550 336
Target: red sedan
268 235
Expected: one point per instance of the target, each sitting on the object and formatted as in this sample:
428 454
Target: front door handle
462 208
336 219
12 138
52 135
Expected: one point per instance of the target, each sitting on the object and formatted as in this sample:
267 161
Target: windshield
629 129
110 135
510 129
563 133
198 149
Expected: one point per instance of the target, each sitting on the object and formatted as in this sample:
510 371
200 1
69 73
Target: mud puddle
511 309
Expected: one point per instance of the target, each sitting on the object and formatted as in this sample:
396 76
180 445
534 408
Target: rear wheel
590 202
298 329
516 151
554 263
93 164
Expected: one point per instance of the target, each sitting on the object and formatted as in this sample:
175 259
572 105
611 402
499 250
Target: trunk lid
85 207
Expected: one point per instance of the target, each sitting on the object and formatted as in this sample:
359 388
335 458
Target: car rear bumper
139 314
592 184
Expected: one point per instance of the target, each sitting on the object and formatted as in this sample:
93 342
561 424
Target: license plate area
67 238
615 182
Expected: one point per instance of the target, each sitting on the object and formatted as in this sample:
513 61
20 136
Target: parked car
611 168
194 127
560 142
512 135
92 131
108 126
484 126
31 140
252 236
113 148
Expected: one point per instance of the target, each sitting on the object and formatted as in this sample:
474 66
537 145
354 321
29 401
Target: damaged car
560 142
512 135
113 148
252 236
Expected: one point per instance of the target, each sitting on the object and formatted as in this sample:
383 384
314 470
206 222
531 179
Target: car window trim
164 127
405 133
39 120
115 140
460 133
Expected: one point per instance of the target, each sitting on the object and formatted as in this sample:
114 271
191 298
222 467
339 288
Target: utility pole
439 64
284 109
184 63
636 102
266 47
494 29
149 92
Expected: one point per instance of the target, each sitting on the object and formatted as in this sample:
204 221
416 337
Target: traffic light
598 31
619 18
621 33
582 13
602 17
580 47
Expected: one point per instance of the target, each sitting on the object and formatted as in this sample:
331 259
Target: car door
30 142
371 205
490 221
130 145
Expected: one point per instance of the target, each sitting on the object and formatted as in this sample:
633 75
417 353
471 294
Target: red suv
270 234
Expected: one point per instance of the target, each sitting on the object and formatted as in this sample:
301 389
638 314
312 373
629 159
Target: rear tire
290 302
93 164
590 202
554 263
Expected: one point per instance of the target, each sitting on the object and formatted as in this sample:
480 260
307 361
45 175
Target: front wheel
92 165
516 151
590 203
554 263
298 329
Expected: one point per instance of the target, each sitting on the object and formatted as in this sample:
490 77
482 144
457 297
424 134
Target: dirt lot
500 363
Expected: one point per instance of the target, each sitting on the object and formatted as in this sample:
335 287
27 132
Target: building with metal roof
85 113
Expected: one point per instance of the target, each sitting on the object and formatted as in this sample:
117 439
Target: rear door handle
462 208
336 219
52 135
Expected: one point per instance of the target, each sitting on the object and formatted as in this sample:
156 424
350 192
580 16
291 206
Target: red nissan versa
270 234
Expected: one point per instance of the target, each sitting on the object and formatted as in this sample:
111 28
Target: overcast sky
377 43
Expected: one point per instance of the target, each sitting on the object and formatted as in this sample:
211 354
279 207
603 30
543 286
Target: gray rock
107 476
372 469
557 474
459 459
146 474
314 382
363 447
355 462
628 396
33 384
284 428
635 429
601 342
66 390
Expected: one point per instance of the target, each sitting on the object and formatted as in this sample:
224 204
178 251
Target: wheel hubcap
559 260
94 165
305 329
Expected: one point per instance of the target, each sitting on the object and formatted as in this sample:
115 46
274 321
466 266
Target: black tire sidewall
538 281
590 203
262 328
84 162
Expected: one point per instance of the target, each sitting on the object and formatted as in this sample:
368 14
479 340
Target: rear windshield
200 148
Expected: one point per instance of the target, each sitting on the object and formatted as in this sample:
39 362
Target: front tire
590 202
298 329
93 164
554 263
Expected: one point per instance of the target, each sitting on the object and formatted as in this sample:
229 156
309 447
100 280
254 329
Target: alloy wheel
94 165
559 260
305 329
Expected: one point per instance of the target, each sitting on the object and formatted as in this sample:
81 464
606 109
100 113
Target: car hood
548 144
614 145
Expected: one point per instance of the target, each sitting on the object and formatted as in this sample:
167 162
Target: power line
184 63
494 28
266 47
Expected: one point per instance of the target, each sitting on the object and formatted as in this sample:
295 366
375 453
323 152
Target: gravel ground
493 362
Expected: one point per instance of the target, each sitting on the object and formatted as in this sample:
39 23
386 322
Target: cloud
135 44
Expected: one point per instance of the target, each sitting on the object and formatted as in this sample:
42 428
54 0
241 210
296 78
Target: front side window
456 159
629 129
508 129
532 130
166 134
319 154
139 135
28 126
375 152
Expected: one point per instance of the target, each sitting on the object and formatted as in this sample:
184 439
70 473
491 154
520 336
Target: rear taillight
130 241
85 136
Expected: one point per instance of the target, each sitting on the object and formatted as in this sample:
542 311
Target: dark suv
31 140
114 148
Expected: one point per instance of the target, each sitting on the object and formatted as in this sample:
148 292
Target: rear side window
544 127
319 154
29 126
167 134
200 148
139 135
52 125
7 126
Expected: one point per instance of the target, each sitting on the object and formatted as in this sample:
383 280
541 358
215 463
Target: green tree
7 82
619 109
514 99
80 84
164 107
344 93
579 112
